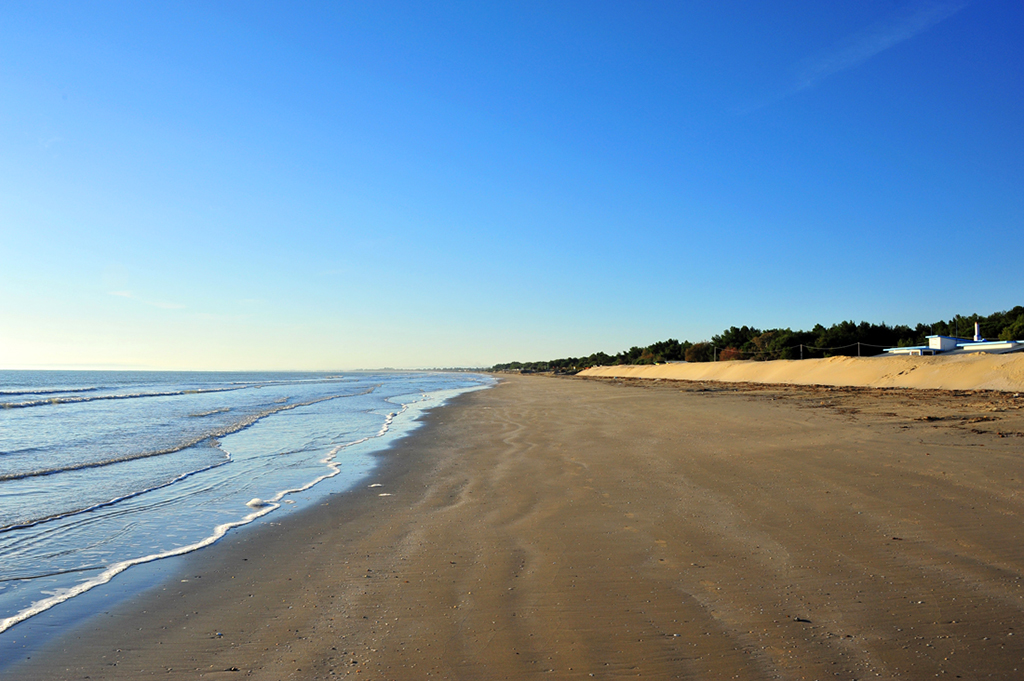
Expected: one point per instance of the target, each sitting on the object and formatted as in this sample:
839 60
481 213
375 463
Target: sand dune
951 372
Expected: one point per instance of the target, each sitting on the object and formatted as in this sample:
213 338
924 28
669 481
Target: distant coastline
847 338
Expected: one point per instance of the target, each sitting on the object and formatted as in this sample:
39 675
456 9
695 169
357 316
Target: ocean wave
263 508
45 391
210 435
60 595
22 451
120 396
115 500
55 573
200 414
294 381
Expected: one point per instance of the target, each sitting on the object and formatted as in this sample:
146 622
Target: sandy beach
610 528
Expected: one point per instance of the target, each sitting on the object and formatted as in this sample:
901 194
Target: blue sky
344 185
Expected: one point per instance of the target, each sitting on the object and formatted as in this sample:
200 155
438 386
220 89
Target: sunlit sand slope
952 372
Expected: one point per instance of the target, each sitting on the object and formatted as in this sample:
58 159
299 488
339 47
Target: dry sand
572 528
949 372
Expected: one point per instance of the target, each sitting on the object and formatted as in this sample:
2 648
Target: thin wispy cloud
152 303
861 46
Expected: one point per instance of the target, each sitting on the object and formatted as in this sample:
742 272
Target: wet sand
577 528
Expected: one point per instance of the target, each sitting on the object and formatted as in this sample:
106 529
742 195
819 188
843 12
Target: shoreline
275 534
25 638
566 527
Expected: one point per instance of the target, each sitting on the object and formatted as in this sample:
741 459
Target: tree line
745 342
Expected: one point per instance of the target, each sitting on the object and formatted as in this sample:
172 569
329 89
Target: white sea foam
108 568
116 500
210 435
47 391
119 396
222 410
264 507
60 595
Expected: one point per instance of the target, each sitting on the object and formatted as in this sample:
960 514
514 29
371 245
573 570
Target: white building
950 345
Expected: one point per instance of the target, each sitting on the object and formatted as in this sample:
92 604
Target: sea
103 473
